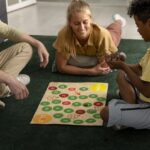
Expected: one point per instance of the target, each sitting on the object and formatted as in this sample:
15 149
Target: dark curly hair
140 8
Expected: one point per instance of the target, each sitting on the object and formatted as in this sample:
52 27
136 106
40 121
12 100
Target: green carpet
16 132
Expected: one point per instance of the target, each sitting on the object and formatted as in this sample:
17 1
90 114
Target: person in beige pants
15 58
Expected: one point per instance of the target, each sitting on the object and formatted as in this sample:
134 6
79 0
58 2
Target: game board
72 104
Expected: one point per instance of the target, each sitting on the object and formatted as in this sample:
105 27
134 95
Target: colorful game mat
72 103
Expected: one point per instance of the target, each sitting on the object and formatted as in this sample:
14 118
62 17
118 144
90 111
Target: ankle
122 20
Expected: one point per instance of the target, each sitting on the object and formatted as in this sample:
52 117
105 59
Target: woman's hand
102 68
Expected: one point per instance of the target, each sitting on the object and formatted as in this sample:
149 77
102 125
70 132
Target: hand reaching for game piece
119 56
122 56
114 60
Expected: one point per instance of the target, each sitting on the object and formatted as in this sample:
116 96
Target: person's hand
43 54
122 56
18 89
114 61
119 56
101 69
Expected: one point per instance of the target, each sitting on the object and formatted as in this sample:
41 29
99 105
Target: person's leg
115 30
104 115
13 60
127 91
120 113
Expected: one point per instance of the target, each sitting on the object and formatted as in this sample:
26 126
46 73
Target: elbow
61 69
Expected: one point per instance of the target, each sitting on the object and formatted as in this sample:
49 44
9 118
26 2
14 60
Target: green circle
87 104
101 99
83 96
68 110
47 108
57 108
97 116
83 88
58 115
62 86
78 121
65 120
90 120
56 92
56 101
76 104
93 95
72 97
91 111
44 103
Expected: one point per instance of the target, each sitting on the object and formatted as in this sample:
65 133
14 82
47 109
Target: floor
47 18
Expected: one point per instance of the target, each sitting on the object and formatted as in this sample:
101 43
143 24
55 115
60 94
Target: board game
72 103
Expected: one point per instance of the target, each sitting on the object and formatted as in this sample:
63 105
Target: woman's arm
63 67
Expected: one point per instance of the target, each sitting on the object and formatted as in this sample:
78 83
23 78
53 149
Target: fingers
22 93
44 63
44 60
104 70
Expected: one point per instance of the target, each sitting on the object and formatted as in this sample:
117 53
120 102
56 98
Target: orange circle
41 118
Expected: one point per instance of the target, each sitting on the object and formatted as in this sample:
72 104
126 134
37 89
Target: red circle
52 88
64 95
80 111
71 89
66 103
98 104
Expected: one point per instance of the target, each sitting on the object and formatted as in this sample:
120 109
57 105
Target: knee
104 114
27 48
120 76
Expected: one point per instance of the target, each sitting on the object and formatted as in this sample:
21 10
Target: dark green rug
16 132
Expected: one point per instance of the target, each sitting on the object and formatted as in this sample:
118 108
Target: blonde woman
81 45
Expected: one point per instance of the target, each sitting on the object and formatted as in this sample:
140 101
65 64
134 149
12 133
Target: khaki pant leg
13 60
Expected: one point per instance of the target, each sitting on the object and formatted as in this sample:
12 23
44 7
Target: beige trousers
13 60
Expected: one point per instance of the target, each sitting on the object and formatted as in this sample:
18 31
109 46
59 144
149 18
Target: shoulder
63 32
100 31
2 23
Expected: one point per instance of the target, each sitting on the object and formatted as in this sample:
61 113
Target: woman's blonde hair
76 6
